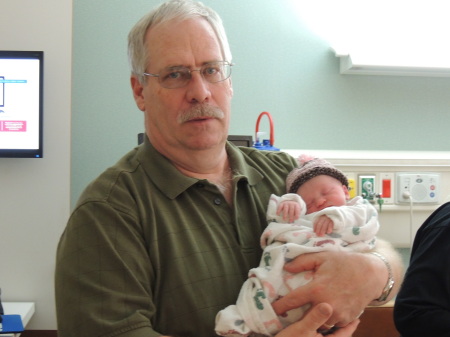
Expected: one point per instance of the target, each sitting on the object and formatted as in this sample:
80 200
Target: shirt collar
172 182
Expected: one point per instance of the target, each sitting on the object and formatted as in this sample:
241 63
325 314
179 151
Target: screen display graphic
21 108
2 91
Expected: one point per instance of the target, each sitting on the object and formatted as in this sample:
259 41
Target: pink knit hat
310 167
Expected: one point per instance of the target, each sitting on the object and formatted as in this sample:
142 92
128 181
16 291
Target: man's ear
137 89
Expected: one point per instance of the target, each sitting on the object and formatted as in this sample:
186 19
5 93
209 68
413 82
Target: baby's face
321 192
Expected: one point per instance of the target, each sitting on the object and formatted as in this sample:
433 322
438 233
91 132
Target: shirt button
217 201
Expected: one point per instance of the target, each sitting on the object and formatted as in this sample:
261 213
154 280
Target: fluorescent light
348 65
388 37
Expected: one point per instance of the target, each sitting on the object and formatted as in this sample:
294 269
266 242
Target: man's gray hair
173 9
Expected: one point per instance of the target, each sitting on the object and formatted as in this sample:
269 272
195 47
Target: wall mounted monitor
21 104
240 140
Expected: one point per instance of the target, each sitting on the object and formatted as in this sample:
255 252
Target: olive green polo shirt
148 251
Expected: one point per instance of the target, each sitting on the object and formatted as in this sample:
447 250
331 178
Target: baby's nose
320 203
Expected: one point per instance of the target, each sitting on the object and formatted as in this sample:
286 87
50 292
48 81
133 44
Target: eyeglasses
179 76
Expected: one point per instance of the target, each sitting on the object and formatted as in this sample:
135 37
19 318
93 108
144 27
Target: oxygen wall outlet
422 188
367 186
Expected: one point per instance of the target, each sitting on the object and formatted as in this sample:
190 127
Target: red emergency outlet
386 188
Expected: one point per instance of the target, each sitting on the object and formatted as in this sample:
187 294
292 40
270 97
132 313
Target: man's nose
198 88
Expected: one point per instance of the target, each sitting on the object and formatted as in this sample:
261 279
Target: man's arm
348 281
312 321
395 262
102 276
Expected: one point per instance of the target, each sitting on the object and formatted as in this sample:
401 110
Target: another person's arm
422 307
348 281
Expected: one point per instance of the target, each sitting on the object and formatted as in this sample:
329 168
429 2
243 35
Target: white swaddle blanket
355 227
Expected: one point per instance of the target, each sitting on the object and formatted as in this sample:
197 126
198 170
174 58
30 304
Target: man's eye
174 75
211 71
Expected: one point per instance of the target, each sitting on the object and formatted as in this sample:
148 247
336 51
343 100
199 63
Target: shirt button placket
217 201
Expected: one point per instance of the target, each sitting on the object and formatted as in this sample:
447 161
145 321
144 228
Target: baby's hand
323 225
290 210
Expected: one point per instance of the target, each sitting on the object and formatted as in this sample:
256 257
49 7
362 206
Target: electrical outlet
366 186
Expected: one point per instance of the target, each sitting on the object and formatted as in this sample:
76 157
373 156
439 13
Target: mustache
199 111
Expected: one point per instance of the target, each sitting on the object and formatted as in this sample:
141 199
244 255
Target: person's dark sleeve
422 307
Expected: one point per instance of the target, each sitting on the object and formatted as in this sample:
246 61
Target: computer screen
21 104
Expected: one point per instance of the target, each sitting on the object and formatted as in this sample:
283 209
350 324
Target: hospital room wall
35 193
281 67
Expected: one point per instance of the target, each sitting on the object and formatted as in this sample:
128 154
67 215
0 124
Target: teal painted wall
281 67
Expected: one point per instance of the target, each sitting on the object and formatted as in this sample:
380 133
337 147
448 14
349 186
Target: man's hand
313 320
347 281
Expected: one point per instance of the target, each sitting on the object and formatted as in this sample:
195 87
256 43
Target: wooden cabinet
377 322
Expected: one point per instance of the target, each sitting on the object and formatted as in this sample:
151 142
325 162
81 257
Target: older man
163 240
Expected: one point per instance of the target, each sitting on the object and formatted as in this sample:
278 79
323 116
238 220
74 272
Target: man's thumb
320 314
